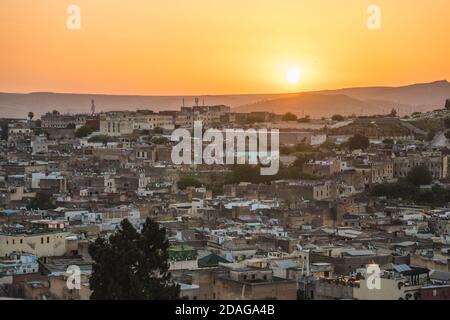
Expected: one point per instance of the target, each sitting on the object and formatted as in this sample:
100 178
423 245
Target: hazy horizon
358 100
226 94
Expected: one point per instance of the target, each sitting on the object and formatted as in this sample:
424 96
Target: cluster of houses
288 238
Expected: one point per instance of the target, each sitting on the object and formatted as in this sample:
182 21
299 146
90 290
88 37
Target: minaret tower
93 106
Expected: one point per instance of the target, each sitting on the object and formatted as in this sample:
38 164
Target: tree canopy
337 117
185 182
42 201
289 117
305 119
447 123
84 131
419 175
132 265
252 173
102 138
358 141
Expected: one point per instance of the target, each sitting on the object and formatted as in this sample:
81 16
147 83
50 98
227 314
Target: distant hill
360 101
18 105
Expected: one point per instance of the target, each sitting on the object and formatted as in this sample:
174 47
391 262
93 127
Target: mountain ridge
358 100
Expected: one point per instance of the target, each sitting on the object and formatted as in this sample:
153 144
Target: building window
48 239
42 240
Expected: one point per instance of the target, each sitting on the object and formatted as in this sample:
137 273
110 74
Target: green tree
102 138
289 117
185 182
158 130
419 175
337 117
132 265
159 140
447 123
84 131
71 126
42 201
304 119
401 189
447 135
4 130
430 135
245 173
358 141
301 160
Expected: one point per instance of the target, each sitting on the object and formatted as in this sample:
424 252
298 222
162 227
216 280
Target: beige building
322 168
253 284
395 288
119 123
56 120
59 290
152 121
42 244
375 172
436 162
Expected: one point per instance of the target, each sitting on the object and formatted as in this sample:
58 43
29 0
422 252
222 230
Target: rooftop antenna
196 101
183 102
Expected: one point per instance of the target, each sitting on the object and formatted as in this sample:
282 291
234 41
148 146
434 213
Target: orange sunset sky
171 47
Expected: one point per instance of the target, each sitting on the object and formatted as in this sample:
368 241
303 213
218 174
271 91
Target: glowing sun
293 75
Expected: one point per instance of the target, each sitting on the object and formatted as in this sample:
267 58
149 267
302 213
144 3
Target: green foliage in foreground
132 265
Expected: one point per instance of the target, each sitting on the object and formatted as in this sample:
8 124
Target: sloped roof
211 260
402 268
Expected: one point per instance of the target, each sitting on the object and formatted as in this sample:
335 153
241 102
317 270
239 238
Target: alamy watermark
74 279
74 18
373 274
374 19
228 146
